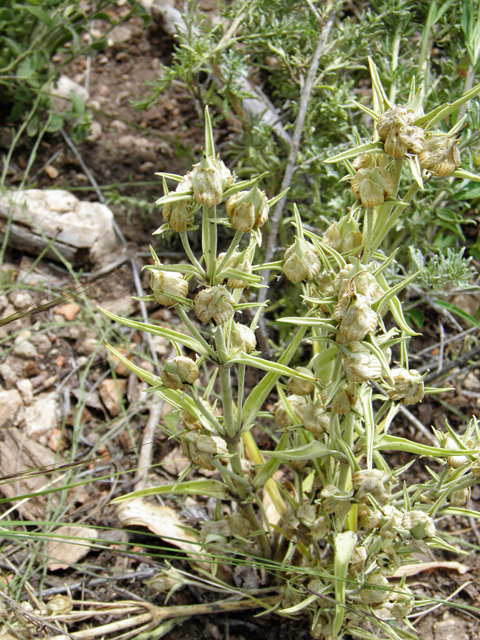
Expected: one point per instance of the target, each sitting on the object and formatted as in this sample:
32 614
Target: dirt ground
104 430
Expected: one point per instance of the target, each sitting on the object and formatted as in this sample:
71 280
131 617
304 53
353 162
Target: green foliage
272 44
442 271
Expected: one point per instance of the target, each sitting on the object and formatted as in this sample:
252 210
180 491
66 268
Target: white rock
41 342
23 347
20 299
12 412
42 415
25 386
61 93
8 375
95 131
60 215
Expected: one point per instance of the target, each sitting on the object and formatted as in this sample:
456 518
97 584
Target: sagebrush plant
343 520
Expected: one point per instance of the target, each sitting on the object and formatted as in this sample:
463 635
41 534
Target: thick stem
211 255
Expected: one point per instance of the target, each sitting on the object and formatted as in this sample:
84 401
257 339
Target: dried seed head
391 522
207 182
167 580
199 449
319 529
358 321
460 497
335 501
214 303
315 420
242 338
365 161
297 405
440 155
402 139
181 216
343 236
247 209
419 523
402 602
454 461
246 267
164 283
189 421
58 605
301 387
372 186
377 592
363 365
357 560
301 261
408 386
178 372
401 113
370 482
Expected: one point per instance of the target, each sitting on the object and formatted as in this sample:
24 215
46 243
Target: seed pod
178 372
242 338
319 529
335 501
454 461
401 113
297 405
419 523
403 138
357 560
403 602
315 419
362 366
358 321
181 216
214 303
370 482
163 283
246 267
58 605
440 155
378 591
247 209
365 161
199 449
207 183
343 236
391 522
301 261
408 386
301 387
372 186
460 497
191 422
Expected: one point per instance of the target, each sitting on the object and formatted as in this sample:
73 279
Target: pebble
12 413
23 347
42 416
25 386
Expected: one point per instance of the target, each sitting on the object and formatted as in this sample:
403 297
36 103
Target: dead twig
271 244
458 362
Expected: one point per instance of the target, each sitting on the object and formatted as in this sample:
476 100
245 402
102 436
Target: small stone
68 311
112 391
8 375
21 299
25 386
12 413
119 125
41 342
23 347
95 131
42 416
52 172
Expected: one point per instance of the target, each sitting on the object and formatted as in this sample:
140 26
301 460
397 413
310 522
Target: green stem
240 391
211 255
188 250
205 412
233 245
345 470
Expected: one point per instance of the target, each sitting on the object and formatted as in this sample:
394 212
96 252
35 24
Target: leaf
410 570
253 403
72 546
267 365
394 443
344 546
458 312
309 322
173 336
159 519
211 488
352 153
314 449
